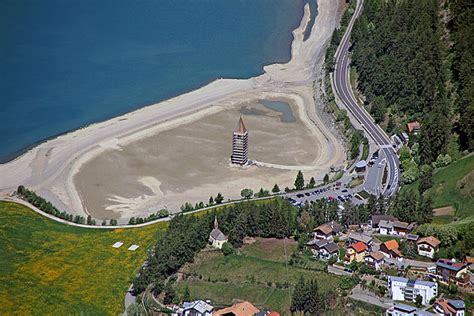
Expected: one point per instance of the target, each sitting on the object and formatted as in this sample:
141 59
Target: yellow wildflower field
51 268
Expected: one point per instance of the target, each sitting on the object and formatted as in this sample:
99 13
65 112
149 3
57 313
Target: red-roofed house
390 249
356 252
413 127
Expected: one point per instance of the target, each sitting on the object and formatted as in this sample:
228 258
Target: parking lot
330 192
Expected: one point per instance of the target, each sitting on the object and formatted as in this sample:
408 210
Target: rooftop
331 247
409 282
329 228
391 244
448 264
216 234
386 224
412 237
241 127
360 237
317 242
199 306
415 125
430 240
239 309
377 218
376 255
359 246
457 304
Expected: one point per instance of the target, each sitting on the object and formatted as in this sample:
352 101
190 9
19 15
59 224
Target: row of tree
154 216
47 207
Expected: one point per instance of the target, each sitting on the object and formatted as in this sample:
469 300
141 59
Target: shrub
228 249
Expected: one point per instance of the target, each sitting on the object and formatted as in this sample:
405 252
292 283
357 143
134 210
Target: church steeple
216 224
240 139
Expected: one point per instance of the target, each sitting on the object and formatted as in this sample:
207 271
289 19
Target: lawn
384 238
270 249
51 268
258 274
453 185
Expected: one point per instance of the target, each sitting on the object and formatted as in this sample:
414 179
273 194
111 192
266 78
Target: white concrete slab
133 247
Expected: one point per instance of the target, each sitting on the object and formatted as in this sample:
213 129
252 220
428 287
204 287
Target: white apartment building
403 289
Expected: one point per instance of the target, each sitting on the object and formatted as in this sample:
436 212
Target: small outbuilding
361 166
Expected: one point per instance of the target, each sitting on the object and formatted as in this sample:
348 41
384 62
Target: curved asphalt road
344 92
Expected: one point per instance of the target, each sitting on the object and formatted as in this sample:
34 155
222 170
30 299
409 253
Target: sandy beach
133 164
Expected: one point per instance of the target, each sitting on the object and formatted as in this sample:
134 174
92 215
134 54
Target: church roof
216 234
241 127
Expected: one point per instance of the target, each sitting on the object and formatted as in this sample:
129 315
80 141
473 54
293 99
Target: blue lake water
66 64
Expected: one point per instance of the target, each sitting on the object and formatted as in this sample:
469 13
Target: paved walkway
359 294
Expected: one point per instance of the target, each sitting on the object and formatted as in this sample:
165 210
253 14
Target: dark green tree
299 182
246 193
275 189
219 198
326 178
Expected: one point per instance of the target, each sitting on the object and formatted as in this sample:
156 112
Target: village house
403 289
327 231
356 237
447 307
356 252
427 246
386 227
322 248
402 228
315 245
469 261
375 220
196 308
328 251
375 260
239 309
217 238
413 127
390 249
452 272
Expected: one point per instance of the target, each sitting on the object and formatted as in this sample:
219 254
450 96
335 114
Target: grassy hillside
453 186
51 268
258 275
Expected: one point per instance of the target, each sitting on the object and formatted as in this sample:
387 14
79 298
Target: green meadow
259 274
452 186
51 268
